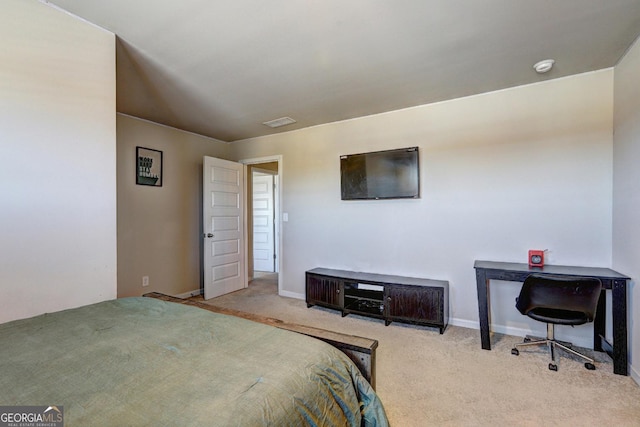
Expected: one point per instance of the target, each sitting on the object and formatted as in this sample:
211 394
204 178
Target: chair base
552 344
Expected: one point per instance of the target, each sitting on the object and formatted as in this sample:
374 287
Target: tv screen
390 174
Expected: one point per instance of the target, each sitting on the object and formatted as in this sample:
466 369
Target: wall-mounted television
390 174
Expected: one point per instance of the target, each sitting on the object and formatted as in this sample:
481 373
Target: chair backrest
577 294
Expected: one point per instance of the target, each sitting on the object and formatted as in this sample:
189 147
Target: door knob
209 235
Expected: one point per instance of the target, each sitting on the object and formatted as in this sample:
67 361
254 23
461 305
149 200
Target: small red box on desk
536 258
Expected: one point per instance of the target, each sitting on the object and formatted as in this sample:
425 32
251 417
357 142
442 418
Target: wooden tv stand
392 298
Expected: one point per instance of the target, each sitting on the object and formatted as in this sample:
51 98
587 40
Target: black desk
516 272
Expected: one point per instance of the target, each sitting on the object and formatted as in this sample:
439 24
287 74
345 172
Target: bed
143 361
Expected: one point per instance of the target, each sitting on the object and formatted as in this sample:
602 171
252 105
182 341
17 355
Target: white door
223 204
263 223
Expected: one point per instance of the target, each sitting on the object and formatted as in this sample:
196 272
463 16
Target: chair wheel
553 367
515 351
590 366
527 339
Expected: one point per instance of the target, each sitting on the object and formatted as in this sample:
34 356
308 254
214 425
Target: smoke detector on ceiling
282 121
544 66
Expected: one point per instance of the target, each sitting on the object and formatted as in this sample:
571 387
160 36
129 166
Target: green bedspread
141 361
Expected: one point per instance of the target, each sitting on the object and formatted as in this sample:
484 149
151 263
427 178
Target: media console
392 298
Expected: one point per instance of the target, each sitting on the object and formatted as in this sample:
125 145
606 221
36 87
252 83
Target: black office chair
558 300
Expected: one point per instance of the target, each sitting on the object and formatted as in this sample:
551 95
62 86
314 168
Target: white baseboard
463 323
292 295
517 332
634 374
189 294
474 324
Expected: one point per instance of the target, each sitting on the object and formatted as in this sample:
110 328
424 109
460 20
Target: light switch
285 216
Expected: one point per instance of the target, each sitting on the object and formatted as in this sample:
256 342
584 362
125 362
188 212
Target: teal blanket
142 361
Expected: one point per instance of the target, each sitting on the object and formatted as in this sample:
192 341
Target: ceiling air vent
282 121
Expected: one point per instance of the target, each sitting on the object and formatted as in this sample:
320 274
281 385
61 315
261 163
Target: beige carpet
428 379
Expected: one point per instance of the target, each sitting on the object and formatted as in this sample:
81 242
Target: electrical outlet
145 280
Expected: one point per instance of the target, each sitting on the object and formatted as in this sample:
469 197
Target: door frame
249 233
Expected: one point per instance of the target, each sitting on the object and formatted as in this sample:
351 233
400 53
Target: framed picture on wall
148 167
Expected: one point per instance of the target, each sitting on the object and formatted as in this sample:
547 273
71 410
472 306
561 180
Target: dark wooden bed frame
362 351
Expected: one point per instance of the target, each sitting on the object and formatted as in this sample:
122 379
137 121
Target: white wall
501 173
57 161
626 189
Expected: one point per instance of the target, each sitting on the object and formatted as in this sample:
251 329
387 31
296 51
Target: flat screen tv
390 174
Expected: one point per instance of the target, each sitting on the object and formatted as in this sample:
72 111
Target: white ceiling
222 68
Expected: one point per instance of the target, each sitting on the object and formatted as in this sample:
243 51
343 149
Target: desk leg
619 309
483 307
600 321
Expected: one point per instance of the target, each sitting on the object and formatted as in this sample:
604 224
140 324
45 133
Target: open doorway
263 205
